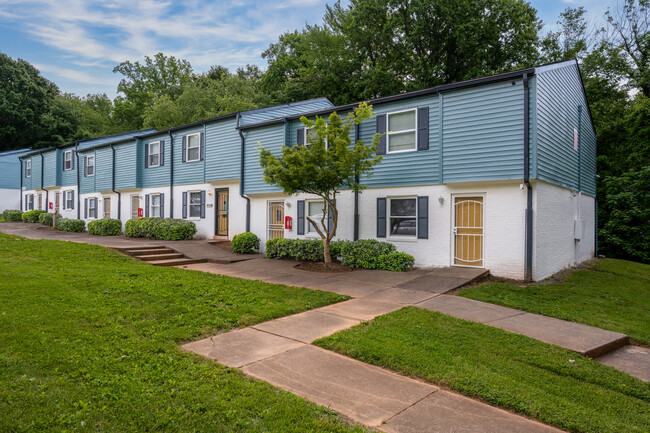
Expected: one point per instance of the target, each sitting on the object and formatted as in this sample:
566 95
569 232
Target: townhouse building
497 172
10 178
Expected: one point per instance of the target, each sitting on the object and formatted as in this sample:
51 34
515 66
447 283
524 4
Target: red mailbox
51 206
140 212
287 222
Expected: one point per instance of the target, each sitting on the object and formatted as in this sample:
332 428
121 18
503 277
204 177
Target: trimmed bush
105 227
70 225
46 218
160 228
246 243
366 254
13 215
31 216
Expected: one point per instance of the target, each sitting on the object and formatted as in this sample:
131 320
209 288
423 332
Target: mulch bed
320 267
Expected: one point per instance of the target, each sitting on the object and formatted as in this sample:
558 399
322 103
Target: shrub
364 253
46 218
31 216
70 225
160 228
12 215
307 250
395 261
105 227
246 243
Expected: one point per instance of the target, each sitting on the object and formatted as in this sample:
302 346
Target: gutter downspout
241 178
76 147
21 182
528 266
171 175
119 194
356 193
47 193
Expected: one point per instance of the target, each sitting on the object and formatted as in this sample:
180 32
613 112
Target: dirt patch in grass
321 267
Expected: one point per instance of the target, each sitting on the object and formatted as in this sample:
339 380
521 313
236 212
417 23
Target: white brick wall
555 209
9 199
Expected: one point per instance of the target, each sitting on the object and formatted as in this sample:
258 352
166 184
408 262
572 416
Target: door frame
452 221
216 211
268 216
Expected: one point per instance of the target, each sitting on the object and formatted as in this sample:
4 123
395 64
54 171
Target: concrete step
148 252
176 262
155 257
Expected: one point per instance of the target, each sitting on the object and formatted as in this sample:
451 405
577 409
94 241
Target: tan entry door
276 220
468 231
222 213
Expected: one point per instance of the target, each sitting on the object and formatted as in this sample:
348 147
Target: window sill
393 152
402 239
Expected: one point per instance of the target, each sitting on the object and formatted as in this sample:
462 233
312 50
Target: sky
76 43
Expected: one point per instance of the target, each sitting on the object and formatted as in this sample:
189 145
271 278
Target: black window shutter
85 166
64 196
146 155
300 136
85 208
381 129
184 205
423 128
162 205
185 148
202 147
146 205
72 158
63 168
203 204
301 217
72 199
161 158
381 217
423 217
95 205
330 218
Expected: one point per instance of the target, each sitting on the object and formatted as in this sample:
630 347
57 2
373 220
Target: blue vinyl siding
271 138
10 168
155 176
559 93
187 172
278 112
34 181
50 170
68 177
103 169
125 165
222 151
483 130
87 183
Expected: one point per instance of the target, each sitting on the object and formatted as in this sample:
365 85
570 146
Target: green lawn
89 342
546 382
612 294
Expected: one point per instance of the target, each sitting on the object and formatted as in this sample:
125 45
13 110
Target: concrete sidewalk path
278 352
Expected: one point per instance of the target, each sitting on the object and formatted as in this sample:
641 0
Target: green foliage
101 332
70 225
396 261
364 253
46 218
105 227
12 215
536 379
32 216
246 243
625 231
160 228
612 295
304 250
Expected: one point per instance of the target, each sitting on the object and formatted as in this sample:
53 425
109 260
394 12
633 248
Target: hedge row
160 228
13 215
31 216
105 227
70 225
46 218
366 254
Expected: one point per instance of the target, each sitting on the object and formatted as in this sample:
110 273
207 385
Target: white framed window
107 207
193 147
68 197
90 165
315 212
67 160
403 218
154 154
57 201
402 127
28 168
311 132
194 198
30 202
135 205
154 205
92 208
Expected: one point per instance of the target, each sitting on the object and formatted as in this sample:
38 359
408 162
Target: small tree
327 164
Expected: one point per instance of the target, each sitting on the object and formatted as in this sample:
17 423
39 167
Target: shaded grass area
89 342
536 379
609 294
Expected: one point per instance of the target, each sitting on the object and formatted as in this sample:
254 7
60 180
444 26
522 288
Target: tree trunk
327 257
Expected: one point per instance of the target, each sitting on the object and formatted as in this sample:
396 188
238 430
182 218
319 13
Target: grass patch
508 370
89 342
610 294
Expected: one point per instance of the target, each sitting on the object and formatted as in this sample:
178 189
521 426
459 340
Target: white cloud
71 74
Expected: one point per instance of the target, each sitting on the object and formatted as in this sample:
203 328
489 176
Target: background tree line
373 48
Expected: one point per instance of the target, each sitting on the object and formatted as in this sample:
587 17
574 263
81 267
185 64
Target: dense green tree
144 83
374 48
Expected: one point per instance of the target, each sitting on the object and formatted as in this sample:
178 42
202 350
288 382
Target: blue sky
76 43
